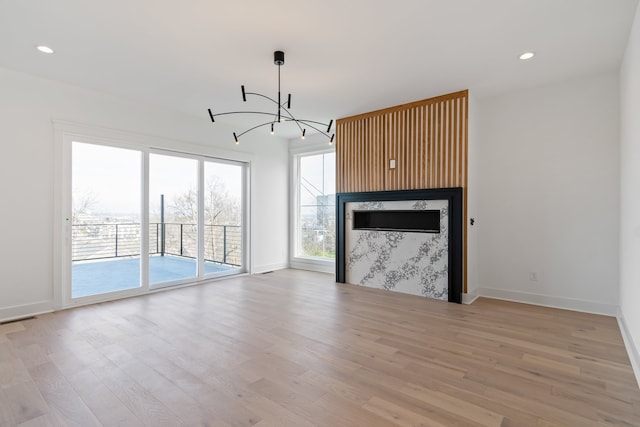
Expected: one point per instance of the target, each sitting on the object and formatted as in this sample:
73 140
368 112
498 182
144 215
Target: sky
318 176
112 178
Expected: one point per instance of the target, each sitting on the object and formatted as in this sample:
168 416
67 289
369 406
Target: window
315 225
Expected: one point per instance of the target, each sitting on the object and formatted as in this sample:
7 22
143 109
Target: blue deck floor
98 277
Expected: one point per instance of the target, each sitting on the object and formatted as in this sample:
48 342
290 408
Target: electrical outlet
392 164
533 276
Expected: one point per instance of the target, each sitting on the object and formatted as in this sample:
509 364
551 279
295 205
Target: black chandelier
283 113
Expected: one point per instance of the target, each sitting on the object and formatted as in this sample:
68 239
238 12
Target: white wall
27 107
630 194
548 160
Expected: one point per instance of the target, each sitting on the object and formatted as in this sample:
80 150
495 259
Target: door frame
65 133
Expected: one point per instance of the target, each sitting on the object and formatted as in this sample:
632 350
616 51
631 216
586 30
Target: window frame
296 260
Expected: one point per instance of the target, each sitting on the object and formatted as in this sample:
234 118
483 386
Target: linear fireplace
419 221
406 241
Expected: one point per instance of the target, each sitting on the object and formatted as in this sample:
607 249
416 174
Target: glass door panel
173 219
105 223
223 213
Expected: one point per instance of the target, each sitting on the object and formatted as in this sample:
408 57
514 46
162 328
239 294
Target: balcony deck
115 274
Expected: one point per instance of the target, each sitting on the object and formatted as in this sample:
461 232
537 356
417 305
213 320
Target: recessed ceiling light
44 49
527 55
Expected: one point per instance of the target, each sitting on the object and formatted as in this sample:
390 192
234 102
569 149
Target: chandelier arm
301 121
307 123
263 96
297 122
253 128
292 119
288 119
275 102
243 112
290 116
313 121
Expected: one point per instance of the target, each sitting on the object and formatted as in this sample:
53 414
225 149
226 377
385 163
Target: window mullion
200 226
144 223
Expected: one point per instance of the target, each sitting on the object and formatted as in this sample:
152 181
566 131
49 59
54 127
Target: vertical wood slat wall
427 139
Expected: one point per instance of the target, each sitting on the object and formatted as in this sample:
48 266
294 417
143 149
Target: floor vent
17 320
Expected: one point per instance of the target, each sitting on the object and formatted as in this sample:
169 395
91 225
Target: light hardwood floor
293 348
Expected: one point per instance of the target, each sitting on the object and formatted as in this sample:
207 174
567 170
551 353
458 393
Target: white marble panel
409 262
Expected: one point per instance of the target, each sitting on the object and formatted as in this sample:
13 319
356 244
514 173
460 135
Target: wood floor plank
544 409
454 405
511 416
294 348
336 387
6 412
61 397
104 404
12 369
271 412
24 402
398 415
140 401
347 413
49 420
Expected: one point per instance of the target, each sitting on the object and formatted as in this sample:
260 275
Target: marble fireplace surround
451 198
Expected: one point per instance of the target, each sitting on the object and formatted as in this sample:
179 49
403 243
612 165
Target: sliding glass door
142 219
223 213
173 218
105 219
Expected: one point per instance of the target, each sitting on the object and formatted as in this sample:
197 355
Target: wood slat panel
428 139
438 135
432 165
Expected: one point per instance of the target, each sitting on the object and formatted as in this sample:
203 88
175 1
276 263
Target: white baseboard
313 265
258 269
632 349
470 297
26 310
551 301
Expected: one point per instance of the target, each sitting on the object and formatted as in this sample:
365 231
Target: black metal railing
222 243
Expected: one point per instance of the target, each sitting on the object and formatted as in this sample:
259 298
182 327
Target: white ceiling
343 57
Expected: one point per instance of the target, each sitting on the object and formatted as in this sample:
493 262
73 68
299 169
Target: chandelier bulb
303 132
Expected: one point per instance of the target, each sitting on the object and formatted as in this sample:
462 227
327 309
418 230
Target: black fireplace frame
455 198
